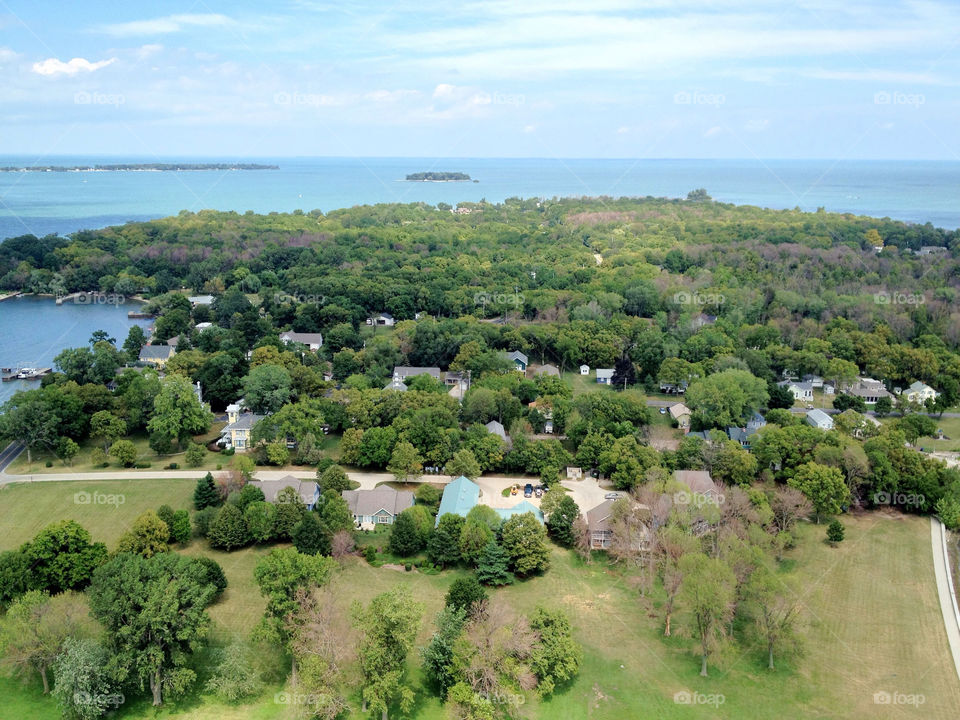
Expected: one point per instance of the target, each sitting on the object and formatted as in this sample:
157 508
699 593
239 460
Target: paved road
9 454
945 588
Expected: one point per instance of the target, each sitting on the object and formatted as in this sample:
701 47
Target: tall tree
388 629
206 493
561 519
154 612
525 540
775 609
27 419
61 557
708 592
177 413
147 536
493 565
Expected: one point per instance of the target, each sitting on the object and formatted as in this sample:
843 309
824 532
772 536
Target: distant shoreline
140 167
435 176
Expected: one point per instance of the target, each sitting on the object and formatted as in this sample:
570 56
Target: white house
869 389
314 341
584 369
802 391
382 320
604 376
819 419
920 392
680 413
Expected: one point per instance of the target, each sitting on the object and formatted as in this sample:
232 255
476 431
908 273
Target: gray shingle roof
370 502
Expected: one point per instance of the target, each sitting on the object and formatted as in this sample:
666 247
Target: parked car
612 496
663 411
514 490
538 492
528 490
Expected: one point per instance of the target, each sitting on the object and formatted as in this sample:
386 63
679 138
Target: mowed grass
871 624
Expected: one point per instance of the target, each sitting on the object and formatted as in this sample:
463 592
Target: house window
383 519
239 443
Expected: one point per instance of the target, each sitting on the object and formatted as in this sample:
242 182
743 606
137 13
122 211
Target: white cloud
444 90
165 25
713 132
53 66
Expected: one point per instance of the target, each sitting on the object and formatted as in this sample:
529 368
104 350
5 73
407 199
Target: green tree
335 515
823 485
474 537
708 592
561 520
405 462
443 546
835 532
405 539
427 495
774 608
35 628
438 656
463 463
334 478
206 493
125 452
83 688
27 419
557 657
883 406
180 528
61 557
309 538
261 520
493 566
147 536
67 450
107 427
267 388
228 529
525 540
290 511
726 398
195 455
234 675
465 593
154 613
388 629
177 413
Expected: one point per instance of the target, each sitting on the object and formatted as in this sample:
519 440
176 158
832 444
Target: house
584 369
497 428
869 389
815 381
702 434
930 250
452 378
379 506
599 524
755 422
519 360
308 490
381 320
524 506
173 341
396 385
200 300
239 426
698 321
314 341
604 376
681 414
458 497
404 372
699 483
574 473
920 392
674 388
739 435
157 355
829 389
548 370
548 427
819 419
203 325
802 391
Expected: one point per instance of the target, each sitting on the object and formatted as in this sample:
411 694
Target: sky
481 78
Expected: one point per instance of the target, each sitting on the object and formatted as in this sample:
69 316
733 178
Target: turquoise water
41 203
34 330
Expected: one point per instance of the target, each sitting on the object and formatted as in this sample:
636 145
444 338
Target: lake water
42 203
34 330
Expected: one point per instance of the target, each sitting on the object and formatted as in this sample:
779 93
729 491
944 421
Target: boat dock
23 373
134 315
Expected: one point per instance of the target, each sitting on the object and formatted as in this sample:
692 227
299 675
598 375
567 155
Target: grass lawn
82 462
951 433
871 624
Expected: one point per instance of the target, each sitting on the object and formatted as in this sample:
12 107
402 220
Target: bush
427 494
465 592
141 465
125 452
171 466
203 518
98 458
49 463
835 532
195 455
214 573
234 676
229 451
370 554
408 567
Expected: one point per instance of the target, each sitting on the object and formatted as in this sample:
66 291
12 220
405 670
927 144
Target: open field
872 623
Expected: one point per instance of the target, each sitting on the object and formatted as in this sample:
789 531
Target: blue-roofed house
756 422
459 496
523 506
738 435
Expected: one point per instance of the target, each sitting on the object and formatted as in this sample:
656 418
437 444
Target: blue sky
501 78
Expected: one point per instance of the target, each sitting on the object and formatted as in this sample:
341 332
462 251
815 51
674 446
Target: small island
140 167
438 177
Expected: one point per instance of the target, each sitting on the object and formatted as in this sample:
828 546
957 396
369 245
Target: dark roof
370 502
157 352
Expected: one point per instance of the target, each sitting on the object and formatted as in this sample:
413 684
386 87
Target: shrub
370 554
408 567
195 455
835 532
49 463
214 573
98 458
